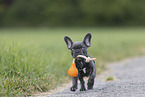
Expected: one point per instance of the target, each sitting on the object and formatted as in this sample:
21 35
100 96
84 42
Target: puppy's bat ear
68 41
87 40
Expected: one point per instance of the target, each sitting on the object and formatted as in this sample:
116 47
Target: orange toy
73 71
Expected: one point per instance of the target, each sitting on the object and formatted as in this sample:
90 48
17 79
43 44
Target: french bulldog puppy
84 69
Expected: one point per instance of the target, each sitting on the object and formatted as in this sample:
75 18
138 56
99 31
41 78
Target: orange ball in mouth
73 71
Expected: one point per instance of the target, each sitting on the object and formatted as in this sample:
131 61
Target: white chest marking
84 70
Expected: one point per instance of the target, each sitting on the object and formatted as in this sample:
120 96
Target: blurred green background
52 13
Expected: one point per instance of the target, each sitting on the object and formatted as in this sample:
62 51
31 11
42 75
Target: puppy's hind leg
91 78
90 83
75 84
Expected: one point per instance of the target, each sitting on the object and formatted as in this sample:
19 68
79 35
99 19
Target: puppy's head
78 48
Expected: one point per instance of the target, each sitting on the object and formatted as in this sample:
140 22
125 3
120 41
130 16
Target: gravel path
129 82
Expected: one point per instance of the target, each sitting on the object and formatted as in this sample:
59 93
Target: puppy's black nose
77 51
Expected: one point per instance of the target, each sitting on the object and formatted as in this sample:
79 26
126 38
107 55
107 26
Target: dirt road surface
129 82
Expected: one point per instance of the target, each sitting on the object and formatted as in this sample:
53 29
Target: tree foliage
72 13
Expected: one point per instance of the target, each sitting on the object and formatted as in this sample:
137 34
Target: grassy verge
37 60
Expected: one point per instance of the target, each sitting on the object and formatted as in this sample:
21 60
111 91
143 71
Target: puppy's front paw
73 88
83 89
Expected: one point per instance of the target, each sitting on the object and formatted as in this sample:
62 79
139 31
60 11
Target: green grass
37 60
110 78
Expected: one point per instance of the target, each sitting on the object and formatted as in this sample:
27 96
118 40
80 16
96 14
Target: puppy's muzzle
77 52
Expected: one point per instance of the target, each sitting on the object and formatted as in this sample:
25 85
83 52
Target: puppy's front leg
75 84
82 83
